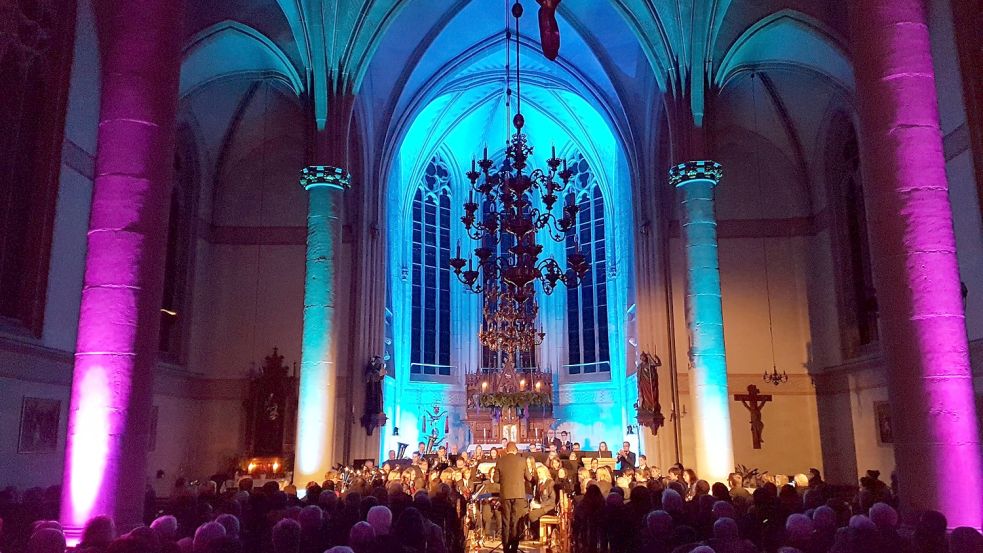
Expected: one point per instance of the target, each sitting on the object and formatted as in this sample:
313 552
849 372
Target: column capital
696 170
316 176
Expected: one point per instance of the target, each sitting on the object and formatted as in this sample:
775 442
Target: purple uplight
90 444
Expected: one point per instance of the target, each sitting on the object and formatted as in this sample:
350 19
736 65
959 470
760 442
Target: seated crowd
431 503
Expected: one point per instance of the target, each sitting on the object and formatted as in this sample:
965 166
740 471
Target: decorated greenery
505 400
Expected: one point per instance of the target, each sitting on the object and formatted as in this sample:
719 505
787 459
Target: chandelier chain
764 241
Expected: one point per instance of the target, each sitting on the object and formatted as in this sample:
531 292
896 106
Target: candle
553 150
472 164
459 248
486 152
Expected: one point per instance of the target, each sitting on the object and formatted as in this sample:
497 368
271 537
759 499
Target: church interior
244 237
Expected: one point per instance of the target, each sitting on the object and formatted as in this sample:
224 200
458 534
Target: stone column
119 320
318 363
704 316
913 246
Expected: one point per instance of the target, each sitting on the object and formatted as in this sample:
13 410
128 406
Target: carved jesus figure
753 401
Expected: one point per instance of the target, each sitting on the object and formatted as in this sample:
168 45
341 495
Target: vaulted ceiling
620 57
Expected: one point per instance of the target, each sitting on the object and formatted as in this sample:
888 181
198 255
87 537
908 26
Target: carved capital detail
314 176
696 170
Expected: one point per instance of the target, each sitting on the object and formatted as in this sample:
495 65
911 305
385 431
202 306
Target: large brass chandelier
509 325
508 262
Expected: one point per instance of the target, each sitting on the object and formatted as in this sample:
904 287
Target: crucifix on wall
754 401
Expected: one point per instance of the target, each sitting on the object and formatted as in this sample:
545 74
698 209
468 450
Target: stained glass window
431 320
587 304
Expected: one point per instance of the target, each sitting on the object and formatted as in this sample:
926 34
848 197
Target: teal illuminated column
704 317
316 406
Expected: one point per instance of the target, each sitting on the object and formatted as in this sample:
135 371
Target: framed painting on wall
39 418
882 415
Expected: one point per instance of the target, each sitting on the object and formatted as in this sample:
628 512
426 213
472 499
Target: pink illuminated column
116 351
937 449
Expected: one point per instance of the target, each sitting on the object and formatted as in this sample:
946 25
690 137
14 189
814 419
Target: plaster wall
176 450
251 300
791 435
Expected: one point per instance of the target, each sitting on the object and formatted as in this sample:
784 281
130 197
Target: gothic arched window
587 304
35 63
431 320
861 295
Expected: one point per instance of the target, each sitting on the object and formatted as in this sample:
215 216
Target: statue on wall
374 415
549 31
649 408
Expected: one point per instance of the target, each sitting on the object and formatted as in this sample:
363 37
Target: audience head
230 523
411 529
100 531
381 519
861 522
311 518
930 532
246 484
510 447
883 516
186 545
725 529
286 536
46 540
205 534
147 537
824 519
723 509
166 527
672 501
966 540
39 524
798 528
659 524
361 537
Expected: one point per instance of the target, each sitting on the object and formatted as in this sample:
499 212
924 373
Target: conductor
511 473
